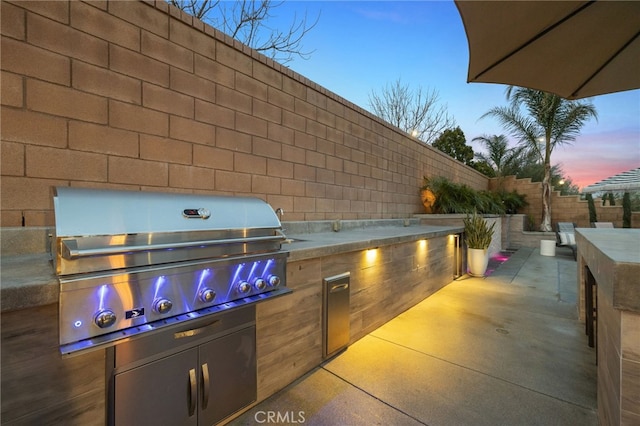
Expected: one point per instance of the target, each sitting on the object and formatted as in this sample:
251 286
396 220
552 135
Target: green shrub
609 196
459 198
626 210
450 197
489 202
592 209
512 201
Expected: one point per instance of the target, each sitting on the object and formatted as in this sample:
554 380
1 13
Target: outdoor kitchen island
609 266
393 264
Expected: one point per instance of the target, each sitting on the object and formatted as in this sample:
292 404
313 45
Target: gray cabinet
190 385
335 318
157 393
231 362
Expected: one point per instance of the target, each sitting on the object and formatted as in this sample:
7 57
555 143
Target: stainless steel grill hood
83 211
95 229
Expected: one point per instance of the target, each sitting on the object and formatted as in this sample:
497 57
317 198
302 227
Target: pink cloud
596 156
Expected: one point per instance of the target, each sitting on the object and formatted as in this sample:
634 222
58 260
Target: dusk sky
363 46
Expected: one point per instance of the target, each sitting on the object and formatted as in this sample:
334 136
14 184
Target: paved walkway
501 350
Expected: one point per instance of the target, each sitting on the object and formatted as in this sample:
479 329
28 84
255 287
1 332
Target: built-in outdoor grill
136 262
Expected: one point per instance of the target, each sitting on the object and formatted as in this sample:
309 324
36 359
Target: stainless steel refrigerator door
336 291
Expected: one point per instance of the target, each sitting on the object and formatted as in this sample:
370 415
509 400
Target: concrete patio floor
502 350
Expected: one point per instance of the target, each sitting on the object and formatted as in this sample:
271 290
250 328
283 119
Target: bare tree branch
416 112
195 8
247 21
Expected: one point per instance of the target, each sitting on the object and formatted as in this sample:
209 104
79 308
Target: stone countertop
613 256
309 246
29 280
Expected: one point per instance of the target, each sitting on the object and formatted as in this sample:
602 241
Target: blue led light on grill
251 272
239 268
268 264
102 294
202 280
158 285
203 275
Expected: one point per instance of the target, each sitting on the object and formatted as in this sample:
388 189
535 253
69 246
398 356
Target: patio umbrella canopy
574 49
627 181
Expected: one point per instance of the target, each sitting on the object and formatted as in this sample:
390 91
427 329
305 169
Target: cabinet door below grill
230 364
163 392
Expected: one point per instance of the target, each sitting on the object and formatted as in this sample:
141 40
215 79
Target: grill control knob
162 306
105 318
244 287
260 284
207 295
274 280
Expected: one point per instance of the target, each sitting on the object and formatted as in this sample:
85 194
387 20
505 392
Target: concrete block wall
564 208
138 95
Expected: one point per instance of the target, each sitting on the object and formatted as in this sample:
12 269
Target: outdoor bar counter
412 262
609 263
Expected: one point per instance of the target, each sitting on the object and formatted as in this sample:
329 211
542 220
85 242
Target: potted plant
477 234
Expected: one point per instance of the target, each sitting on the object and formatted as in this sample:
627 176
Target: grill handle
71 251
195 331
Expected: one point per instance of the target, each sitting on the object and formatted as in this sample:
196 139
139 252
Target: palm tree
549 121
503 160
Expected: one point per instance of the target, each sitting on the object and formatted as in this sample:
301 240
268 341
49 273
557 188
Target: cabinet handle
193 389
339 287
194 331
205 385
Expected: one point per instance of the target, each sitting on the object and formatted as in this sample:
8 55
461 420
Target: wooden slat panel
289 328
37 384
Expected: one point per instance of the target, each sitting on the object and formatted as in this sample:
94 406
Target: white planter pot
548 247
477 261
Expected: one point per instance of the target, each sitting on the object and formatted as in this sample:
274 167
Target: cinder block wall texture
564 208
138 95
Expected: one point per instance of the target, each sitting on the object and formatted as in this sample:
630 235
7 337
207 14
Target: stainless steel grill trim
125 261
71 251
